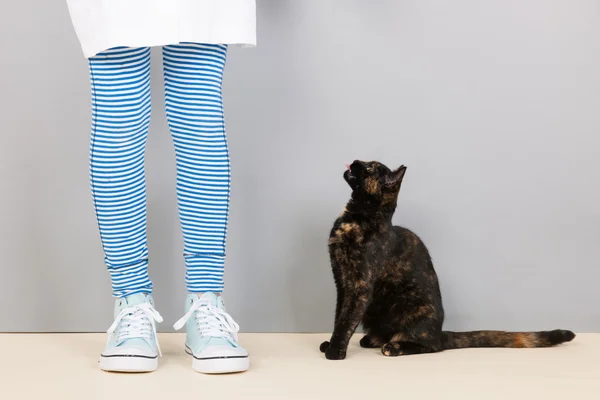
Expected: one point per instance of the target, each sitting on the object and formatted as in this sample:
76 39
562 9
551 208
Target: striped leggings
120 80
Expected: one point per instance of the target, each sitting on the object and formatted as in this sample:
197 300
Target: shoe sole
128 363
219 365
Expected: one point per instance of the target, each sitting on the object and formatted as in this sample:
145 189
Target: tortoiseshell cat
385 279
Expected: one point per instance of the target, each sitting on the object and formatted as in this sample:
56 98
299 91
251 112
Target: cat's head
371 180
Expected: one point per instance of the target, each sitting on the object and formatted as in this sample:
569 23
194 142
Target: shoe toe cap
221 351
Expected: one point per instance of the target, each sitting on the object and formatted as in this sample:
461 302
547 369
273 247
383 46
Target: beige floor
285 366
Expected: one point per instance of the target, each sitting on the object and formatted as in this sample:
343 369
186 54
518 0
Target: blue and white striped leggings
121 105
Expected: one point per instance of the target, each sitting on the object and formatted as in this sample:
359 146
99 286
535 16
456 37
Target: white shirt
103 24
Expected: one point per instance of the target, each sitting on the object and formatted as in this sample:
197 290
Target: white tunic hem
104 24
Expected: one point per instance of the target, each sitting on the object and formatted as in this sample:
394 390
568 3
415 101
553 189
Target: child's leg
121 115
193 76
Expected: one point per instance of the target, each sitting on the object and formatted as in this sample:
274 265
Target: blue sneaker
132 344
211 337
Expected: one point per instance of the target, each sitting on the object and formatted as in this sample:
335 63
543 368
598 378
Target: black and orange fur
385 279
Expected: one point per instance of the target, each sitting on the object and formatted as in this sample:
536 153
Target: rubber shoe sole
128 363
219 365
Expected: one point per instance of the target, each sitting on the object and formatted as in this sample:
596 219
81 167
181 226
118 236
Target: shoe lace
136 322
210 321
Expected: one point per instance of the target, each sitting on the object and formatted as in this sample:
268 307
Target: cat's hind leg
371 342
395 349
367 342
417 337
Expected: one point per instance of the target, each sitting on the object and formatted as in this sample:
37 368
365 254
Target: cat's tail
462 340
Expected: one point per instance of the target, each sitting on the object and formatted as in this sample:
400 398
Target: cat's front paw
334 353
324 346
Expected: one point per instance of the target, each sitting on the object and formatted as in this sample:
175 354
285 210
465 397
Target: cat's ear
394 178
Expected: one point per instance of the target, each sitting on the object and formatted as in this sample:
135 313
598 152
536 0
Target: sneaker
132 344
211 337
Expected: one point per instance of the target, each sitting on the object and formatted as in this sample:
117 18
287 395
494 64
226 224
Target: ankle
199 294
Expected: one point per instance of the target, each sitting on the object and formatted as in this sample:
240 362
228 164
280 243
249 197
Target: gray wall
493 105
